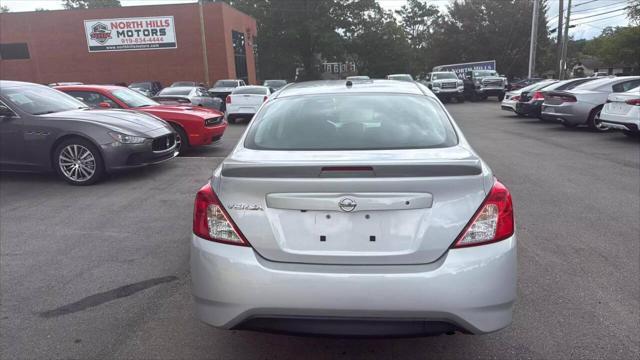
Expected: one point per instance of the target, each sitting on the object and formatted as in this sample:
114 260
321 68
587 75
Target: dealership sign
145 33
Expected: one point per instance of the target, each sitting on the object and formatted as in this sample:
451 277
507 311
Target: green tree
418 18
90 4
616 45
633 12
491 29
4 9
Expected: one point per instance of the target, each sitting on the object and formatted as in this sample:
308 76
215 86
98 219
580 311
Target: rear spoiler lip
468 168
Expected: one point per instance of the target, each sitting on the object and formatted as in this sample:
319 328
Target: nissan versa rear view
354 209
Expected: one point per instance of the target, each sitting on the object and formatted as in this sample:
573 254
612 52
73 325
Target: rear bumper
508 105
471 289
529 108
624 126
241 110
566 113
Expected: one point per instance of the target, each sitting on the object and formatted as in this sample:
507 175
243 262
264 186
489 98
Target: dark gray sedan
42 129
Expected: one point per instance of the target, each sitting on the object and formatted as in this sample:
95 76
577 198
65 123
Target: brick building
127 44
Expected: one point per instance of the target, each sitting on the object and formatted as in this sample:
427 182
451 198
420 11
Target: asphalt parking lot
103 271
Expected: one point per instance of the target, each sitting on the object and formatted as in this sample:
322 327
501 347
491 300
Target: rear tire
500 97
78 162
231 119
594 121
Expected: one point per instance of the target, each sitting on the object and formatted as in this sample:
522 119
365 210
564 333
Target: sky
582 11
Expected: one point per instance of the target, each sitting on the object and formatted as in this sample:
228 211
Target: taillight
537 96
635 102
492 222
265 99
515 98
212 222
228 99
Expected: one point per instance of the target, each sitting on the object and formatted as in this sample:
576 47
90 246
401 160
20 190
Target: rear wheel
500 97
78 162
594 121
231 119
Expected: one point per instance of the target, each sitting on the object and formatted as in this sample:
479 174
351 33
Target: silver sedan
354 209
583 104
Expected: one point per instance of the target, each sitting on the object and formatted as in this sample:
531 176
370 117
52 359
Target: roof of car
340 87
11 83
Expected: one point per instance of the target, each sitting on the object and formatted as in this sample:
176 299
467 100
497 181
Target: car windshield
132 98
40 100
567 84
146 86
351 122
255 90
226 83
179 91
484 73
275 83
441 76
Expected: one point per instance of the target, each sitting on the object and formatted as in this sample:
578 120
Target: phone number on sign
143 40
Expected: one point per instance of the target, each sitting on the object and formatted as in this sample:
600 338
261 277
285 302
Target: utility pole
205 61
534 38
559 32
565 43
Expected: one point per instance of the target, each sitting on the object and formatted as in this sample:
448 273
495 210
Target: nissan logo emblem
347 204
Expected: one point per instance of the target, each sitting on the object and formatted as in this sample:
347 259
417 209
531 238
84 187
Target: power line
595 20
604 13
585 10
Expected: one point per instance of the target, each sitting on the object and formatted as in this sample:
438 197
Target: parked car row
98 129
601 103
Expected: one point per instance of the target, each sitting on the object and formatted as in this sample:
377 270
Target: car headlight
127 139
460 83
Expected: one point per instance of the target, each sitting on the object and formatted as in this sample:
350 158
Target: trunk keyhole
323 238
372 238
407 202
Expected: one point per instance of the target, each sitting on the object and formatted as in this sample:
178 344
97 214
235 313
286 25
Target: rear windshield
483 73
400 77
275 83
226 83
351 122
175 91
250 90
183 83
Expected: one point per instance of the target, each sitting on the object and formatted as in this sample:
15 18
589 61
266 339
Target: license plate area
339 233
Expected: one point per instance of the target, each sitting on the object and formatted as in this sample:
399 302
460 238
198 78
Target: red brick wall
58 48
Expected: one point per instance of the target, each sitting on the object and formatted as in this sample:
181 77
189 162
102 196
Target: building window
17 51
240 55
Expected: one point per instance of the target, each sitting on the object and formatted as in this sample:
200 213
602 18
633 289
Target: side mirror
104 105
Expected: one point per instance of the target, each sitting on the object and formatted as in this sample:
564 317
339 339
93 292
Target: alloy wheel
77 163
599 125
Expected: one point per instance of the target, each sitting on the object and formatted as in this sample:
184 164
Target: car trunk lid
332 207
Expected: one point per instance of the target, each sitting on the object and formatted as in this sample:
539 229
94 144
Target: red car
195 125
